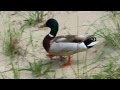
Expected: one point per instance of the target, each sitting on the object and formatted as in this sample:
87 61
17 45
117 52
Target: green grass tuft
39 69
34 18
111 71
109 29
10 41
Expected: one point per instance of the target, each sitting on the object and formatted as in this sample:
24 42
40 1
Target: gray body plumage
68 45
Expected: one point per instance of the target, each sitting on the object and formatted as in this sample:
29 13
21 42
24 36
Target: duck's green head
53 24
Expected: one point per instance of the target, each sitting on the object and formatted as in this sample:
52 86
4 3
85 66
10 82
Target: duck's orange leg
50 56
68 63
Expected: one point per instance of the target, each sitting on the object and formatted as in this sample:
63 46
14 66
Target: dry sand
68 23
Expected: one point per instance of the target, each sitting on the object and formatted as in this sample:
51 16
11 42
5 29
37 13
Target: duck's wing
72 38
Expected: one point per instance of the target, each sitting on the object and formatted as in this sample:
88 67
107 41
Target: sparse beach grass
108 29
10 41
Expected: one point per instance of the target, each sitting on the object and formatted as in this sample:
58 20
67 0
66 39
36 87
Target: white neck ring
50 35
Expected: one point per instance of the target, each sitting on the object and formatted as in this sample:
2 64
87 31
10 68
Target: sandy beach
72 22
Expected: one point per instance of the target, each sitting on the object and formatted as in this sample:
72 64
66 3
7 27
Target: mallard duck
65 45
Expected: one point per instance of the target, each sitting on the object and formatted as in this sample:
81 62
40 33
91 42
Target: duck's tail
91 41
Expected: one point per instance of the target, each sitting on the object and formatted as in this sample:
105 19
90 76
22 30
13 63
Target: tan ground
70 23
